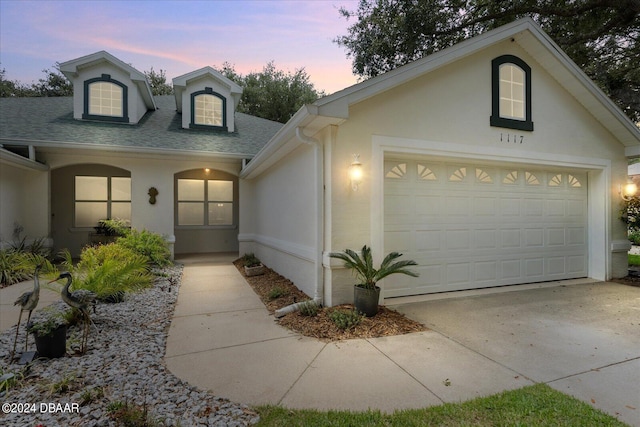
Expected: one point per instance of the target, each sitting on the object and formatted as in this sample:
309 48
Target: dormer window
105 99
208 110
511 93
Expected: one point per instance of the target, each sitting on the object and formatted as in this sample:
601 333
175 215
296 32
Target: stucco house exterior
67 162
494 162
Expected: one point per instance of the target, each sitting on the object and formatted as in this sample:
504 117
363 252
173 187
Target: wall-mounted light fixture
628 191
355 172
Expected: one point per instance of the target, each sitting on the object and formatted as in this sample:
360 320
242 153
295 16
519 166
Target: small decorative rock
123 363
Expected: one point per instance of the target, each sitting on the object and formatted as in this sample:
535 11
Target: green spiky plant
109 271
17 265
151 245
366 273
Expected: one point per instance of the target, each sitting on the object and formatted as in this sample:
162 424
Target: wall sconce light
628 191
355 172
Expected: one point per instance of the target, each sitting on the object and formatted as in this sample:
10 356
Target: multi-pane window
205 202
512 94
105 99
208 110
101 197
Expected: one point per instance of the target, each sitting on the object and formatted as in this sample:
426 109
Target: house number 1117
511 138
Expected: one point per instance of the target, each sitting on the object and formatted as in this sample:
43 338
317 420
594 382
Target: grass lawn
537 405
634 259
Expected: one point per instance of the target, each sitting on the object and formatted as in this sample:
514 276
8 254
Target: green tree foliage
630 213
601 36
54 83
271 93
158 82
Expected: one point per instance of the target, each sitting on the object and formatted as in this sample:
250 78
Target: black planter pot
366 300
53 345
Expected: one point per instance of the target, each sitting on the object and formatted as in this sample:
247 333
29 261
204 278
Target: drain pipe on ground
319 206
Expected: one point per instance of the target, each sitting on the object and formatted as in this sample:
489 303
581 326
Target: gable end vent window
511 93
105 99
208 110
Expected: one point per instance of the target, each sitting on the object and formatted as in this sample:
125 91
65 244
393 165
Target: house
66 163
494 162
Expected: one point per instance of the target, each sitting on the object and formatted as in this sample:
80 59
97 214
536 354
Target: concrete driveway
581 339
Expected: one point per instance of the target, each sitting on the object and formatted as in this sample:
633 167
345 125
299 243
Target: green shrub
13 267
345 319
309 308
277 292
19 265
250 260
151 245
109 271
634 237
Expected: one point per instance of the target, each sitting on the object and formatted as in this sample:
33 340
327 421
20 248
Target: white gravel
123 363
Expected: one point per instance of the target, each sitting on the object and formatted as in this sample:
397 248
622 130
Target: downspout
318 155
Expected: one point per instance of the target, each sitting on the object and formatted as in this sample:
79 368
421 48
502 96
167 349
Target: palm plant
363 268
109 271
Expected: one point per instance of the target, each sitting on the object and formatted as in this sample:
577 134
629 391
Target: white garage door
473 226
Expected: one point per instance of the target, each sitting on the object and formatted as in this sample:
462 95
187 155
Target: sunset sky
178 36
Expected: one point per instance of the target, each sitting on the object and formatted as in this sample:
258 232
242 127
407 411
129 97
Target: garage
473 225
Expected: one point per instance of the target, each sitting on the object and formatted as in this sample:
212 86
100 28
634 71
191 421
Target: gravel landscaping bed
123 367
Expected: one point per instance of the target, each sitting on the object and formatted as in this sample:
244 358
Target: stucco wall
158 172
447 111
277 218
28 209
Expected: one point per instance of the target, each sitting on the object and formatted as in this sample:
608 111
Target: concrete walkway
9 313
582 339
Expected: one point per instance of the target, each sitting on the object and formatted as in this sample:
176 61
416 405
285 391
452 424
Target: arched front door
206 211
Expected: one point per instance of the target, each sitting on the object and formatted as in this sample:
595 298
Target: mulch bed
629 281
387 322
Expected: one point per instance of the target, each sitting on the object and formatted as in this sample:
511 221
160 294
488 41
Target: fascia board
282 143
70 70
9 158
401 75
617 122
192 76
546 51
75 147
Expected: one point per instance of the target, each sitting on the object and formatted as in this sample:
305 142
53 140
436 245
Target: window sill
206 227
511 123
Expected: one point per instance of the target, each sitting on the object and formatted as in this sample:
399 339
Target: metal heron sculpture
28 301
80 299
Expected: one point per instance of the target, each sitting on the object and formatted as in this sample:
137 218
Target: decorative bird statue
28 301
80 299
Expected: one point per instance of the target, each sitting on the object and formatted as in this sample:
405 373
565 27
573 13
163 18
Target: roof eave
60 146
285 140
538 44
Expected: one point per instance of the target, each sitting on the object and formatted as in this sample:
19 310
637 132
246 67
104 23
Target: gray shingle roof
50 120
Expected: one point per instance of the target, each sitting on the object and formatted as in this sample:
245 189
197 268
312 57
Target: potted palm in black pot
366 293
